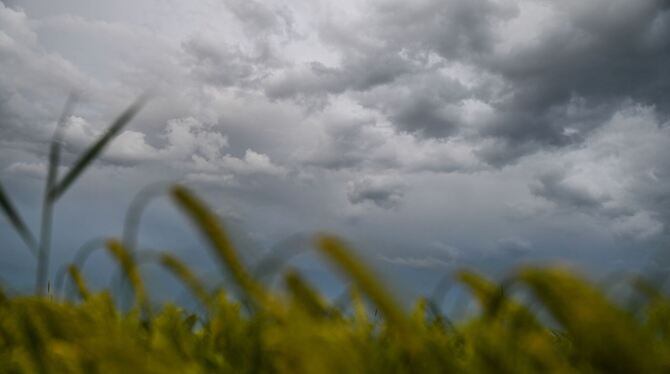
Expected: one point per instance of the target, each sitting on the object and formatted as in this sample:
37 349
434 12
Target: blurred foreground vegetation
563 323
297 330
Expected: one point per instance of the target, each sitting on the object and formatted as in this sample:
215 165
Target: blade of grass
184 274
589 318
304 296
343 258
81 255
94 151
17 222
130 270
208 224
78 280
56 144
47 202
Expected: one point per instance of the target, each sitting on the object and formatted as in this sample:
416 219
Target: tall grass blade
17 222
130 270
304 295
79 281
48 202
56 144
184 274
602 333
343 258
487 293
94 151
208 224
358 307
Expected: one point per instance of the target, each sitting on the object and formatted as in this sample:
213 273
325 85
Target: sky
432 134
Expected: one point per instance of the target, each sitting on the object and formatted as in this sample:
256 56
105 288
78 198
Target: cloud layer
433 133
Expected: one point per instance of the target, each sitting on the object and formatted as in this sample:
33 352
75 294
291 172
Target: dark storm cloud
569 77
576 76
454 28
426 104
428 114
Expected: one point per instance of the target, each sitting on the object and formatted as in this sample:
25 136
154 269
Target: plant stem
49 199
45 243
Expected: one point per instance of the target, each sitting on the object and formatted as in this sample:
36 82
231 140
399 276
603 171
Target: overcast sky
433 134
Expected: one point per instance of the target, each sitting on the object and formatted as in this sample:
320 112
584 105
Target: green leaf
15 219
94 151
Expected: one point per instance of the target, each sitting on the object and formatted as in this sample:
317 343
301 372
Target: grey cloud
382 192
555 188
428 115
261 18
621 178
30 75
351 144
346 148
360 72
576 75
453 28
551 91
428 105
218 65
500 152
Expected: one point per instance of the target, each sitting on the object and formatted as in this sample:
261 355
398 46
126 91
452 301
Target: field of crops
563 323
297 330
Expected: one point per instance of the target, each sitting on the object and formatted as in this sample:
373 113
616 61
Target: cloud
251 163
315 80
493 126
382 192
416 262
621 177
514 246
352 143
545 71
639 226
215 64
259 17
30 75
554 187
